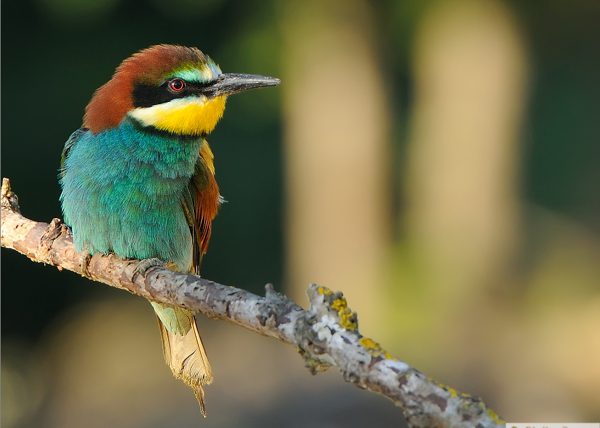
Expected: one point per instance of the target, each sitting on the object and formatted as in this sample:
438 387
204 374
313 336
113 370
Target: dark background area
55 56
60 60
56 53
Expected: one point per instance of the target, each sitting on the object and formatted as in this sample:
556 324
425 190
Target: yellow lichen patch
453 392
468 400
339 304
494 417
324 291
345 314
374 348
315 366
369 343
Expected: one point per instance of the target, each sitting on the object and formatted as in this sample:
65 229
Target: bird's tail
183 349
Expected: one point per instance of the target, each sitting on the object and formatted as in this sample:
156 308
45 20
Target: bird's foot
145 265
84 262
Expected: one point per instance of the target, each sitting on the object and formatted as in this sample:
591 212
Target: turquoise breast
122 192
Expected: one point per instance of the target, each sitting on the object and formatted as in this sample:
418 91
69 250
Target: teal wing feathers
199 201
75 136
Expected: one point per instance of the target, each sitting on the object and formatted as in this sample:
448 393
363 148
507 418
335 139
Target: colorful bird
138 178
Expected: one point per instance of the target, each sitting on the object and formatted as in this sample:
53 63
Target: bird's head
169 88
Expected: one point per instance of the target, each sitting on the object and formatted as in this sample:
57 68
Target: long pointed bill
231 83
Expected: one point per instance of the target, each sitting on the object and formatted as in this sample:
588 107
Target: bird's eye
176 85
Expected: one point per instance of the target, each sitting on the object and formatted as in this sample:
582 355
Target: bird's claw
84 262
145 265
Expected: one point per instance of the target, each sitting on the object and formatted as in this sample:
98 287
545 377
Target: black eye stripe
149 95
146 95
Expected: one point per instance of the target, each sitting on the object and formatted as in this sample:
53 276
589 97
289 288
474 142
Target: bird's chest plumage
123 191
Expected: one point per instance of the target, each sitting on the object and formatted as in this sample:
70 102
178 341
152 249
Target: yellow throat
183 116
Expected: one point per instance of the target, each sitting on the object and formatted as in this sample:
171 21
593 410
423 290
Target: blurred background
438 161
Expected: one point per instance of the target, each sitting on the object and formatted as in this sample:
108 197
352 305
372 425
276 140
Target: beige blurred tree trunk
464 156
336 151
464 159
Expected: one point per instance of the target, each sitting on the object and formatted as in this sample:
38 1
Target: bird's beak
231 83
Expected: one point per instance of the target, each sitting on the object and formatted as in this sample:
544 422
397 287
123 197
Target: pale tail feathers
185 355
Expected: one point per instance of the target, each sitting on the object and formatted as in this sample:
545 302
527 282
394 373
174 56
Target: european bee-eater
138 178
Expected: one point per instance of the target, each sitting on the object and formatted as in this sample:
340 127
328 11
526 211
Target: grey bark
326 334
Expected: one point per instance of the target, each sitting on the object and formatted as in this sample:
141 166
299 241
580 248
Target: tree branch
326 334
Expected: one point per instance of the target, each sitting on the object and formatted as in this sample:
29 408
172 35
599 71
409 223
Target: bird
138 178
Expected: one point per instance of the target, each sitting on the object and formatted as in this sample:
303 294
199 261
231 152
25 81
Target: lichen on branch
326 334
